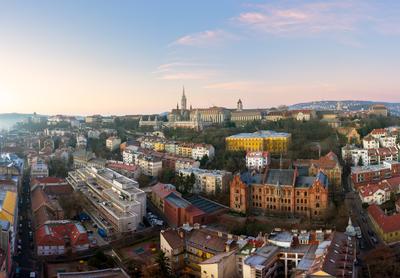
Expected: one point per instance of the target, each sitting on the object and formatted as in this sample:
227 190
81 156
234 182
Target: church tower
183 100
239 105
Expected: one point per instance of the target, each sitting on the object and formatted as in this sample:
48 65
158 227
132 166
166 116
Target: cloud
185 71
183 76
302 19
205 38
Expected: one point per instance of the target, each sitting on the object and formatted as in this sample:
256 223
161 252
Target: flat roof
261 134
204 204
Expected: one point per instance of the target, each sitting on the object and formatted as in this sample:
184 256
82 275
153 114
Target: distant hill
352 105
7 120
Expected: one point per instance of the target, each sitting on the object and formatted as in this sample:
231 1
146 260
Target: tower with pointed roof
239 105
183 100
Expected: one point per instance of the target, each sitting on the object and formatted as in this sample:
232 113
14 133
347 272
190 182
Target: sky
129 57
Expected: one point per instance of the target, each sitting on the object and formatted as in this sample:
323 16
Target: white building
39 169
120 204
201 150
388 142
149 166
94 134
81 141
354 155
112 143
257 160
373 194
370 142
130 154
208 181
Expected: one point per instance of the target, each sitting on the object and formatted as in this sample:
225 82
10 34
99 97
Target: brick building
329 164
280 191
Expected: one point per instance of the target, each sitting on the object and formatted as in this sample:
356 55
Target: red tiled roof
388 223
39 198
163 190
378 131
48 180
55 234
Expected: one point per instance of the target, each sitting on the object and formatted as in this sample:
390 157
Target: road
25 261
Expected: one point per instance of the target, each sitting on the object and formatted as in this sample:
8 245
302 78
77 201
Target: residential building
329 164
264 140
45 207
81 141
159 192
257 160
362 175
199 251
39 169
119 205
370 142
208 181
355 156
351 134
332 257
94 134
61 237
112 143
185 149
201 150
149 165
263 263
386 226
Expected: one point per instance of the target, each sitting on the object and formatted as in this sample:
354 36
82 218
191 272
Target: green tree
204 160
163 265
143 180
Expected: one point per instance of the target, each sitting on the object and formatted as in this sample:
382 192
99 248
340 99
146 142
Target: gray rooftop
280 176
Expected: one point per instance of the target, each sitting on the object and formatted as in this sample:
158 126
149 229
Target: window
317 205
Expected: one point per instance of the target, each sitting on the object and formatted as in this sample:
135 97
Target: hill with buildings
7 120
351 105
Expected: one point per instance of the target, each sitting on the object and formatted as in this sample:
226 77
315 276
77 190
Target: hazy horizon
117 58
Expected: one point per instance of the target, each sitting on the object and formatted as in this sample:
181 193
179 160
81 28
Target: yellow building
185 150
264 140
8 202
159 146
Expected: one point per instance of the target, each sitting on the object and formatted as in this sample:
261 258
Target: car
19 247
374 240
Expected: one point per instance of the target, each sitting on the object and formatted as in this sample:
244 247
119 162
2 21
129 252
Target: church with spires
182 113
181 117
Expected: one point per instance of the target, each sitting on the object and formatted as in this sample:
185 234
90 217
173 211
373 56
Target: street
24 261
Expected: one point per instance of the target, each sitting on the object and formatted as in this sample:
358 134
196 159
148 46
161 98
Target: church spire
183 100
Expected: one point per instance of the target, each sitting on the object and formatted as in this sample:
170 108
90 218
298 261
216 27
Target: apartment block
208 181
119 205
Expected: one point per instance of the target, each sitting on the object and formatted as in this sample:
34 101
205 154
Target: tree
360 162
204 160
143 180
58 168
101 261
167 176
163 265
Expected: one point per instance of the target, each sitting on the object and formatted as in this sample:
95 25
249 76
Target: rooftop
261 134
